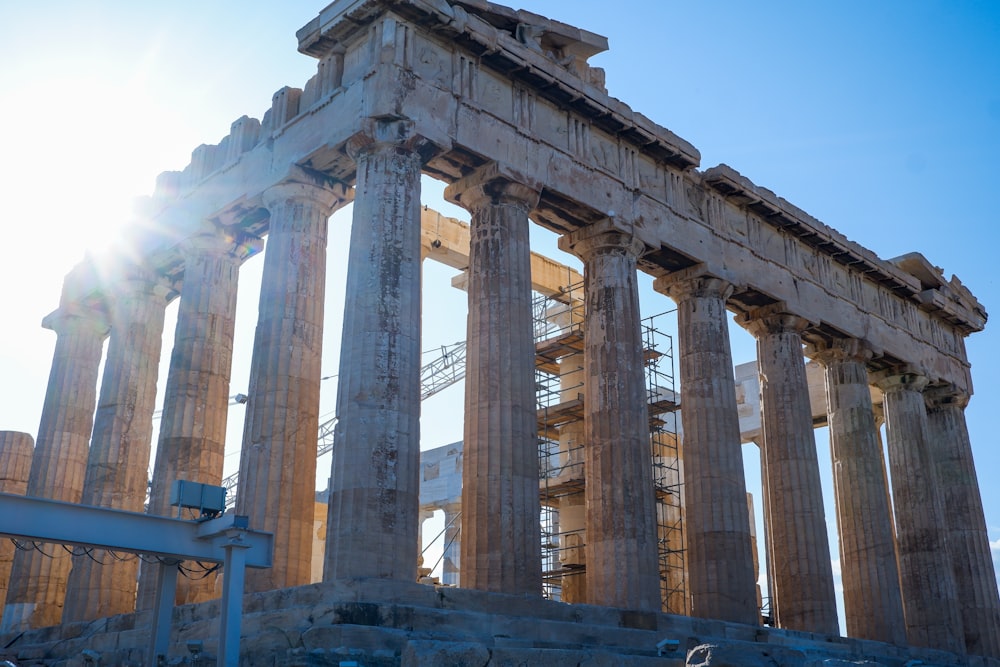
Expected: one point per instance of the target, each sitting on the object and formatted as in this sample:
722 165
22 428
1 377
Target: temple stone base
379 623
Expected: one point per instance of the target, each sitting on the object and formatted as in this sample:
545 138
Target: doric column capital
901 379
130 279
220 242
946 396
309 186
841 349
601 237
772 319
74 317
693 283
399 134
494 184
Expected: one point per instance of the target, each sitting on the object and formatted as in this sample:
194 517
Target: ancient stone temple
502 105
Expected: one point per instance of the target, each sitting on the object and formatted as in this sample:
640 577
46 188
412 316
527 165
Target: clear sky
880 119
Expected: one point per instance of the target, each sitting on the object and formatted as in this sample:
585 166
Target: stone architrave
501 544
873 606
277 488
927 581
38 580
15 467
968 540
192 438
800 550
719 558
101 583
375 476
621 548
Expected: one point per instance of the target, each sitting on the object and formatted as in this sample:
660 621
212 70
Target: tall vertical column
15 466
192 437
719 558
451 558
930 604
38 581
501 542
872 603
968 541
277 489
101 585
621 548
801 551
374 491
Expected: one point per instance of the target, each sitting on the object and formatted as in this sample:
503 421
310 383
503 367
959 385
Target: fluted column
192 438
15 466
38 581
719 558
802 573
621 548
101 585
501 543
278 462
930 605
374 492
968 541
451 559
872 603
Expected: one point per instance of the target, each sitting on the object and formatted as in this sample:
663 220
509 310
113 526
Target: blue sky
882 119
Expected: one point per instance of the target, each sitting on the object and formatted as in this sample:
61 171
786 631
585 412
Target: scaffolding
559 381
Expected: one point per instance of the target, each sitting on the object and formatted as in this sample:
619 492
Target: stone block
425 653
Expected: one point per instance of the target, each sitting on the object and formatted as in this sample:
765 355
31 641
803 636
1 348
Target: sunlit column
501 543
101 584
719 558
15 466
277 488
38 581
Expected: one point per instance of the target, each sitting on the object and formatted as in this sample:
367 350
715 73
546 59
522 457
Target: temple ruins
606 524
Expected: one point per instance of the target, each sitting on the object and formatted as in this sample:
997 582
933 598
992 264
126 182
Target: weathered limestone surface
15 467
100 584
38 581
278 462
375 475
501 542
930 602
800 553
192 438
872 603
621 551
720 565
968 541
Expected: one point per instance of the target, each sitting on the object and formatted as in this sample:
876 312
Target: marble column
100 584
192 438
501 542
800 549
621 549
38 581
15 466
719 558
374 492
872 602
451 558
277 489
968 541
930 604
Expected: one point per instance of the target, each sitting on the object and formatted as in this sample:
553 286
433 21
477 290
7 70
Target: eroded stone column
277 489
501 543
720 562
192 438
930 605
374 492
872 603
968 541
621 548
797 526
38 581
100 584
15 466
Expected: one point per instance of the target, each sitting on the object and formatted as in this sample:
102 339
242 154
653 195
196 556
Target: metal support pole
234 567
163 607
